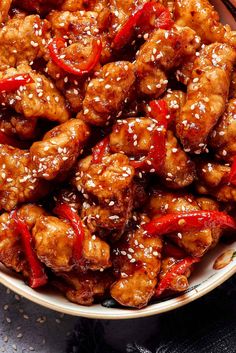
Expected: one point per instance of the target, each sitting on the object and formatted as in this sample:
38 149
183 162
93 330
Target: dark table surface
207 325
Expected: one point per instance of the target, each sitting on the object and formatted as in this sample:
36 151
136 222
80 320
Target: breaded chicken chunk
59 149
206 95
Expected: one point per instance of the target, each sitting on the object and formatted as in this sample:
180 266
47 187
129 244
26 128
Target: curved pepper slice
99 150
65 211
178 269
151 15
188 221
79 68
13 83
157 153
38 277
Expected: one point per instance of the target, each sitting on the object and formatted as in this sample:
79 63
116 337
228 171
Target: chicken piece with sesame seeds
4 8
54 242
11 250
175 100
223 138
39 99
163 51
201 16
195 243
18 180
207 93
133 136
137 262
59 149
107 93
108 188
212 180
83 288
23 39
15 125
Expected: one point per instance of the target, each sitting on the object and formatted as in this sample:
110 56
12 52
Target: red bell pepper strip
232 175
141 21
188 221
157 153
178 269
171 250
99 150
11 141
38 277
65 211
13 83
79 68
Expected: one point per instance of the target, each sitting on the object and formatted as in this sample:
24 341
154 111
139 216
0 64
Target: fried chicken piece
18 179
11 250
107 93
23 39
133 136
232 88
110 185
57 152
54 242
212 180
13 124
206 95
201 16
162 52
72 5
175 101
39 99
195 243
4 8
137 264
83 288
223 138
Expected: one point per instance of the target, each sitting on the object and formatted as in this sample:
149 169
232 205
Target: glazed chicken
104 105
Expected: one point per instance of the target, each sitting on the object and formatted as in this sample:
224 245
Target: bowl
217 266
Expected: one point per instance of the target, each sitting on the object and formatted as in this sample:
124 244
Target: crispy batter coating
18 179
133 136
54 242
4 8
110 185
107 93
15 125
201 16
162 52
206 95
11 251
39 99
137 264
23 39
83 289
57 152
223 138
194 243
211 181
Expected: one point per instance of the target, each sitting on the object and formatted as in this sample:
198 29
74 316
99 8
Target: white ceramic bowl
204 279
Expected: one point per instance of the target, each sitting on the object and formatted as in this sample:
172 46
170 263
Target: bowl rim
89 312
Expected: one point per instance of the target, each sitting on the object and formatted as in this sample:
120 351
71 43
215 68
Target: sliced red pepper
178 269
14 82
99 150
232 175
171 250
157 153
142 21
65 211
75 68
38 277
189 221
11 141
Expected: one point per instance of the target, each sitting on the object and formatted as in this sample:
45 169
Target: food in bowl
117 132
